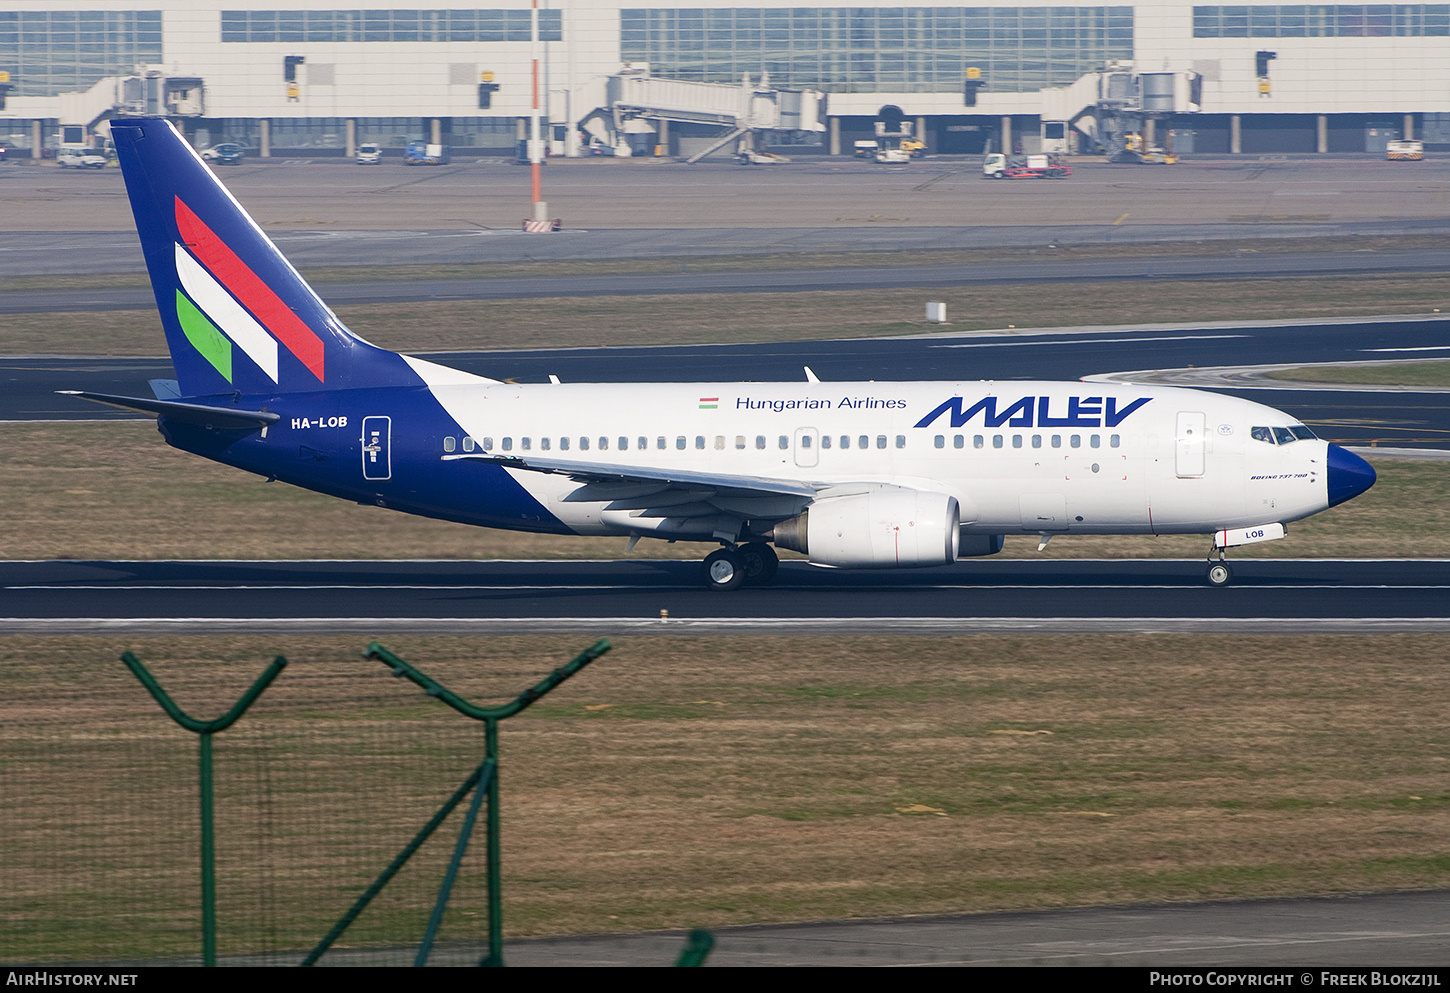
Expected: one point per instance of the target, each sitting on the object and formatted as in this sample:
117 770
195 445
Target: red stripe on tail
248 287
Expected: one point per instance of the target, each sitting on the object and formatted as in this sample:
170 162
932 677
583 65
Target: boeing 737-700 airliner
853 475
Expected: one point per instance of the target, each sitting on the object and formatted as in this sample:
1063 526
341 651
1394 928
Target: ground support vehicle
761 158
1405 150
999 166
369 154
426 153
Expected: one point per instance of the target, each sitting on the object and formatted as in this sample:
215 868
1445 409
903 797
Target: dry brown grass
114 490
709 781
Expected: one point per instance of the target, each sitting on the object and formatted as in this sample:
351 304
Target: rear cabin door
377 447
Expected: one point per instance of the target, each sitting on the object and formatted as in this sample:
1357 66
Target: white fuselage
1023 457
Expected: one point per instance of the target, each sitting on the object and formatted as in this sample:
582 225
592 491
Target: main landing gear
728 568
1220 574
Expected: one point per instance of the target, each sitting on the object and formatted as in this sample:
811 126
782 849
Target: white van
80 158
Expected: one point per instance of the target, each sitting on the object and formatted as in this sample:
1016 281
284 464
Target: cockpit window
1281 436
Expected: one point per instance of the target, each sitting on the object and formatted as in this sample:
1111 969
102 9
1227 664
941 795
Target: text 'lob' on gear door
377 448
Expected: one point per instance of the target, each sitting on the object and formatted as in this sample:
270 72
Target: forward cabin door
1190 444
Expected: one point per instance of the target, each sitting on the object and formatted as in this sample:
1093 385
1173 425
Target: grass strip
709 781
789 261
1395 374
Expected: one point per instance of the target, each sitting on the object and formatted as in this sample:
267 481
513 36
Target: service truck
1000 166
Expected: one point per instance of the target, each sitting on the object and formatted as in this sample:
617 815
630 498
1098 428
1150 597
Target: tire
1219 574
723 570
760 563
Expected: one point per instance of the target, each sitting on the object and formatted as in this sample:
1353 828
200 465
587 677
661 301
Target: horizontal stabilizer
192 413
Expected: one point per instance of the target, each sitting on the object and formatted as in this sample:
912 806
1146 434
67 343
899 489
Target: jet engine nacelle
881 528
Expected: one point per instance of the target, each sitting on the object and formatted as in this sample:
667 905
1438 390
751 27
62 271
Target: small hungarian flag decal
709 403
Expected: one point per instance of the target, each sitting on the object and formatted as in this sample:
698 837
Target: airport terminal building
288 76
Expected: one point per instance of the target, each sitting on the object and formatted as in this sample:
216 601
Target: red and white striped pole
536 145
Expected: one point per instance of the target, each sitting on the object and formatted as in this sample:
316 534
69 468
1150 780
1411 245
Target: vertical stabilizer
238 317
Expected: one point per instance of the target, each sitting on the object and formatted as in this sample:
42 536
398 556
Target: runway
666 596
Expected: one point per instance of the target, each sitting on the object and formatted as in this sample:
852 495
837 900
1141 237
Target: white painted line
1092 341
1426 348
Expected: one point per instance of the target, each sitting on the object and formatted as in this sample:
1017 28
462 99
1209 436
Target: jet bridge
636 103
1109 106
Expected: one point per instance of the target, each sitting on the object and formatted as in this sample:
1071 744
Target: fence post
204 730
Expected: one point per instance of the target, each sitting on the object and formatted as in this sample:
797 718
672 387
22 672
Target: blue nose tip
1349 475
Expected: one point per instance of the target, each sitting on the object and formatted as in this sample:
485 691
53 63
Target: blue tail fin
238 317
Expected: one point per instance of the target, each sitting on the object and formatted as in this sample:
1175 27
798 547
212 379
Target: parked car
227 153
369 154
80 158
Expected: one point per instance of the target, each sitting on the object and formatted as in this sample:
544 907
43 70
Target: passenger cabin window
680 443
825 441
881 441
583 444
1016 441
1114 440
1075 441
488 444
958 441
467 443
805 441
700 442
845 441
996 441
449 444
740 442
604 444
784 442
659 443
563 444
978 441
526 443
1037 441
1057 441
865 442
544 444
508 444
719 443
760 442
901 441
940 441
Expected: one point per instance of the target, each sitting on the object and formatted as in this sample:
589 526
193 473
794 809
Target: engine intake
884 528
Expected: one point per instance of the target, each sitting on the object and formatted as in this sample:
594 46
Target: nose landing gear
1220 574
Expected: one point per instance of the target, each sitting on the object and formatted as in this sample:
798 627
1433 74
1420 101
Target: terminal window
386 25
59 51
1402 20
867 49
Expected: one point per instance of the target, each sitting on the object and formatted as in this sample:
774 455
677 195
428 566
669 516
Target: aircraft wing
652 492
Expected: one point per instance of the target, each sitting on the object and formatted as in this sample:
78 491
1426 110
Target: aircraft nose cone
1349 475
